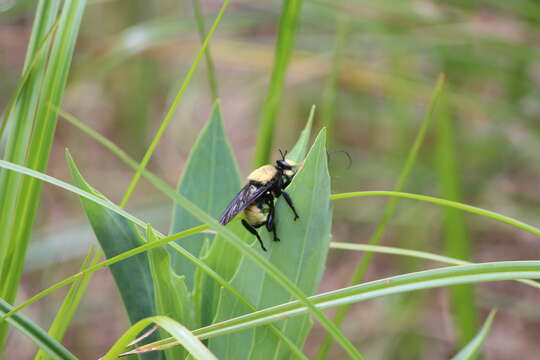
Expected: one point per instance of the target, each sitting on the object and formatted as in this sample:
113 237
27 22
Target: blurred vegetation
370 67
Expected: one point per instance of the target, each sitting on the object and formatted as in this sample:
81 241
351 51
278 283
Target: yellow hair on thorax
263 174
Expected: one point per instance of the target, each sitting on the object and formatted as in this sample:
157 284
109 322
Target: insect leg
252 230
289 202
270 220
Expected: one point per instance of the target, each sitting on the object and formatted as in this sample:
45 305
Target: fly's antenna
283 154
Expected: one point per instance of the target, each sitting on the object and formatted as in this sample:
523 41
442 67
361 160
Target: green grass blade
19 211
70 304
36 334
210 180
288 24
421 280
455 233
25 82
388 211
117 235
22 122
411 253
329 97
211 70
120 257
174 105
453 204
470 352
73 189
184 337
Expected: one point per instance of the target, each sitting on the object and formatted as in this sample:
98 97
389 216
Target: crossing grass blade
421 280
288 24
37 335
70 304
32 135
470 352
182 335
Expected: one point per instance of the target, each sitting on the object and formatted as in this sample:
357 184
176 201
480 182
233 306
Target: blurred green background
370 68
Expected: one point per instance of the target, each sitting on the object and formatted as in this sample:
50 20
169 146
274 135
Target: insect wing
249 194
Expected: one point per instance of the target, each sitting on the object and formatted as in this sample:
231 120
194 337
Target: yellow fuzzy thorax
263 174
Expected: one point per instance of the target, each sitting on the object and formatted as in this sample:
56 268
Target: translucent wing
245 197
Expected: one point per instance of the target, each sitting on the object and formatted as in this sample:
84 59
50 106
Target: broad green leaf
184 337
171 295
300 255
117 235
36 334
470 352
222 257
210 180
71 302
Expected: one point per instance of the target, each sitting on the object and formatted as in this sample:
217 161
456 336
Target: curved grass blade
422 280
470 352
453 204
182 335
412 253
36 334
71 302
104 264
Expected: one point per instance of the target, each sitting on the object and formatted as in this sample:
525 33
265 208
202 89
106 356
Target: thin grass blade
470 352
455 233
71 302
37 335
182 335
288 24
